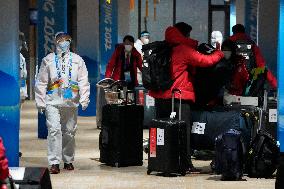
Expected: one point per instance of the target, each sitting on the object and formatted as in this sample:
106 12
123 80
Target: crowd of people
62 82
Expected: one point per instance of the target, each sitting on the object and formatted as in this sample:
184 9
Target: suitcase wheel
183 173
149 172
116 164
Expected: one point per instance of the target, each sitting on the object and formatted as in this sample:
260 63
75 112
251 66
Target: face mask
145 41
227 54
128 48
64 45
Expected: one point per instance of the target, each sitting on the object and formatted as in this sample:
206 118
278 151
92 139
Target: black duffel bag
207 125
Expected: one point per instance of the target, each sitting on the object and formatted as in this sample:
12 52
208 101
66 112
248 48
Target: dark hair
238 28
231 46
184 28
143 33
228 44
129 38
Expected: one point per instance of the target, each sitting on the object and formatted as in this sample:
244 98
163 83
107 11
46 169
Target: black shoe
193 170
68 166
54 169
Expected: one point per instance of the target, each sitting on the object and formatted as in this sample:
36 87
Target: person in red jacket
4 171
241 75
184 58
124 63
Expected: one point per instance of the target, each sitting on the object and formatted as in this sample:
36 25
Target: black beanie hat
184 28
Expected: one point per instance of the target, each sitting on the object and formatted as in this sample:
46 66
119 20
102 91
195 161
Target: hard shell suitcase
121 137
279 183
270 118
148 103
167 150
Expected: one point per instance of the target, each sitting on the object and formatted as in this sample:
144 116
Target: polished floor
90 174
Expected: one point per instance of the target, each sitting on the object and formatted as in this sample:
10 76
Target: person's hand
84 108
41 110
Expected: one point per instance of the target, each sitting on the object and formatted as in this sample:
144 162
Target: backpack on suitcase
230 152
263 151
167 152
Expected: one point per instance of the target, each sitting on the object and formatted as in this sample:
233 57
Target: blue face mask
64 45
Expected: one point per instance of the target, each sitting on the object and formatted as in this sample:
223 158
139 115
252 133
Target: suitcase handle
173 113
107 80
118 83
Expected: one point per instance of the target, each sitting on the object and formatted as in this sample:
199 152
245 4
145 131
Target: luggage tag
67 93
153 142
198 128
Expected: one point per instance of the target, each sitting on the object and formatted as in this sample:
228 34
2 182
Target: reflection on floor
90 174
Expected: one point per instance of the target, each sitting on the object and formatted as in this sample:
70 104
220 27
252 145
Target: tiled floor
90 174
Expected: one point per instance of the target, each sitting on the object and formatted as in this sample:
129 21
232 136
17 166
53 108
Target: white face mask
227 54
128 48
145 41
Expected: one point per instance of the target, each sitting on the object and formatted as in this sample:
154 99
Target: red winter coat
115 64
184 58
260 62
4 171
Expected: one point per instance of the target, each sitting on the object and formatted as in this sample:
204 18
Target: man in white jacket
143 40
62 83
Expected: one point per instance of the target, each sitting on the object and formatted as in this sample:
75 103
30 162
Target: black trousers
163 110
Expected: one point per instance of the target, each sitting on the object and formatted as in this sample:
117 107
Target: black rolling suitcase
148 102
279 183
121 137
167 153
31 177
269 120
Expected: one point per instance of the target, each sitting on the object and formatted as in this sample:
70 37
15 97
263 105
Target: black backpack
263 156
209 81
244 48
230 152
156 74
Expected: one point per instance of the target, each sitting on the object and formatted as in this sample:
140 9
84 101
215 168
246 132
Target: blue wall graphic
108 32
281 77
52 19
9 79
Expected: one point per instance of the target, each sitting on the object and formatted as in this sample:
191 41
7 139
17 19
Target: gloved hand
84 107
41 110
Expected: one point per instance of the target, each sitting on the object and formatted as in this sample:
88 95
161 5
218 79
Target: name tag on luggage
17 173
272 115
160 137
198 128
